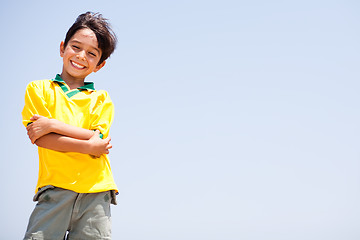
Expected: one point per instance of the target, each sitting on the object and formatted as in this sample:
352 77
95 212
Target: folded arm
43 125
56 135
94 146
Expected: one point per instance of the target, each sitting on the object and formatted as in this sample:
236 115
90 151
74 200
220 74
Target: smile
77 65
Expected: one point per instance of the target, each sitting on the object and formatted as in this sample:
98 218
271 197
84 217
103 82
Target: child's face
81 55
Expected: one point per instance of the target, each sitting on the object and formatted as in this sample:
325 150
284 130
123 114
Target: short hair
104 34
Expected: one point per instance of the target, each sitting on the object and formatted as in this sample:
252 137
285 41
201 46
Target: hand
99 146
41 126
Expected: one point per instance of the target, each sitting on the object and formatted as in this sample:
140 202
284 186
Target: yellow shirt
83 107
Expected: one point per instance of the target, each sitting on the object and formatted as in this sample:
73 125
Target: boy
69 121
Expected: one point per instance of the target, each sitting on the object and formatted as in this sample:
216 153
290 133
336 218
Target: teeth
77 65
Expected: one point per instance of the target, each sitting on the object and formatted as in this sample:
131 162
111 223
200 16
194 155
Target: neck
71 81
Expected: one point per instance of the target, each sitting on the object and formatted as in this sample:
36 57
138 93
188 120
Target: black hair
104 34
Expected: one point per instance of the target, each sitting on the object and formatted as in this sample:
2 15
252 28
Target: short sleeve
102 114
34 102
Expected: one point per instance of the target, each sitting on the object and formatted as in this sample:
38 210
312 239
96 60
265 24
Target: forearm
70 131
62 143
94 146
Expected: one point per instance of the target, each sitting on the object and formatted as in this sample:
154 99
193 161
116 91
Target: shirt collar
87 85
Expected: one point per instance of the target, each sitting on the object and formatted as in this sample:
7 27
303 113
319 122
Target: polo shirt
82 107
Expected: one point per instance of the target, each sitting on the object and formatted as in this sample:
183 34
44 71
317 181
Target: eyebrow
76 41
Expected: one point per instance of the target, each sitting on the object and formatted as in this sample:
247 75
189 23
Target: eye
76 47
92 54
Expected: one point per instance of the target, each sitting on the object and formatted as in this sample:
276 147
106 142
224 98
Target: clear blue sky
234 119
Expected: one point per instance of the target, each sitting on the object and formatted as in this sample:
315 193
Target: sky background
235 120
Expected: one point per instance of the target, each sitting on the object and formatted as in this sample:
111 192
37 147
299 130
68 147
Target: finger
29 127
108 139
30 131
109 146
96 134
34 118
32 138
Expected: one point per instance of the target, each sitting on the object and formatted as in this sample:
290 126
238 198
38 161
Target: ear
62 49
98 67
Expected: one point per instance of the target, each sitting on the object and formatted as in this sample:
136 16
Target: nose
81 55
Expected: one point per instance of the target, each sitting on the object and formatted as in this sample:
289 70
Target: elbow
39 143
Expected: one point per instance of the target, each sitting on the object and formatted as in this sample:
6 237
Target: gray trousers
63 214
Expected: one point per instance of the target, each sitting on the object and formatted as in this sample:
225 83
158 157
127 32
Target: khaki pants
64 214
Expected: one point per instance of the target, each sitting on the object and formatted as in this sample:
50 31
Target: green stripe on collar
73 92
87 85
63 86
